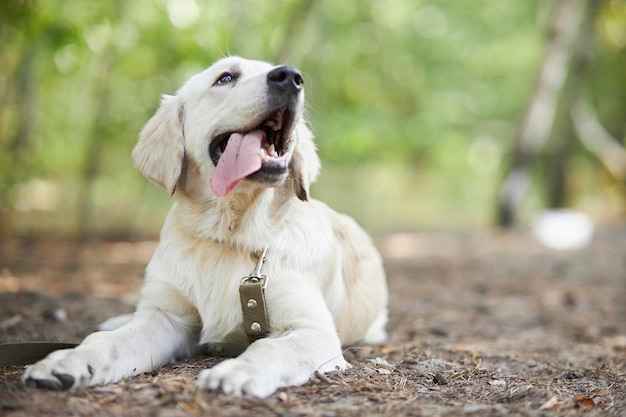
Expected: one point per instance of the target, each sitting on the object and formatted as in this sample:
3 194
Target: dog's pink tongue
241 158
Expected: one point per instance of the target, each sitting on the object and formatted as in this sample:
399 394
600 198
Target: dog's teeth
273 124
271 150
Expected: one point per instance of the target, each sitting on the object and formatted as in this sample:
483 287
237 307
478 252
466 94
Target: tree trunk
536 126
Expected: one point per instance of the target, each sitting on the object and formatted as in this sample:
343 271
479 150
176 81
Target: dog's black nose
286 79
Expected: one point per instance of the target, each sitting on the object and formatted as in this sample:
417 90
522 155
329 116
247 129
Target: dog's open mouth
257 153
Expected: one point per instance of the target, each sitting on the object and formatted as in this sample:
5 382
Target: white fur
327 285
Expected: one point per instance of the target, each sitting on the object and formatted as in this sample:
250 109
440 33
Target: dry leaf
387 349
584 400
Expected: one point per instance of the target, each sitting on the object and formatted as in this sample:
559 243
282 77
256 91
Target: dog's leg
115 322
151 339
303 340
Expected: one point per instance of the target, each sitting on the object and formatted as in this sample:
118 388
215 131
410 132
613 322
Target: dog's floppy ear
159 154
304 165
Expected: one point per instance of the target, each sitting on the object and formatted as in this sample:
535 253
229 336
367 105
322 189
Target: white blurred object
563 229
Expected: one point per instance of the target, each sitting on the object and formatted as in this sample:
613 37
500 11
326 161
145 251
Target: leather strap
255 319
252 297
20 354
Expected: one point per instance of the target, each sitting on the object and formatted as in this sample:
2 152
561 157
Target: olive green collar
253 305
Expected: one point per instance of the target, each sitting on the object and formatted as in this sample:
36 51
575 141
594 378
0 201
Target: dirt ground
482 324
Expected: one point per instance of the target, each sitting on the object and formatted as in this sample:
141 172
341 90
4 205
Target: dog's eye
225 78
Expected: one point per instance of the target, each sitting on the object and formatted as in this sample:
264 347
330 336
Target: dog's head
238 124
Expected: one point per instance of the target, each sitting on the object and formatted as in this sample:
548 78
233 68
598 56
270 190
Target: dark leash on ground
26 353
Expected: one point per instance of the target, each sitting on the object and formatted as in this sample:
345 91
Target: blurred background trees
416 104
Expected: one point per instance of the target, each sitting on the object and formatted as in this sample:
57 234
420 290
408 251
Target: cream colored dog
233 146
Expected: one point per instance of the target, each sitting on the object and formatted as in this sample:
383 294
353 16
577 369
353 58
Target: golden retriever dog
233 147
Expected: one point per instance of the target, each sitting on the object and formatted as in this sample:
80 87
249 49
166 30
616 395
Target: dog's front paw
61 370
238 377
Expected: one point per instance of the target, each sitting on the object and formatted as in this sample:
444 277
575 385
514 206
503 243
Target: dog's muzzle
260 152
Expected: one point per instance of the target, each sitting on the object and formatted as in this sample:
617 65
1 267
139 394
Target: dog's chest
216 297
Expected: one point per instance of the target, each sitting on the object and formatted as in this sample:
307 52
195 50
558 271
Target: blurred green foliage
414 102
